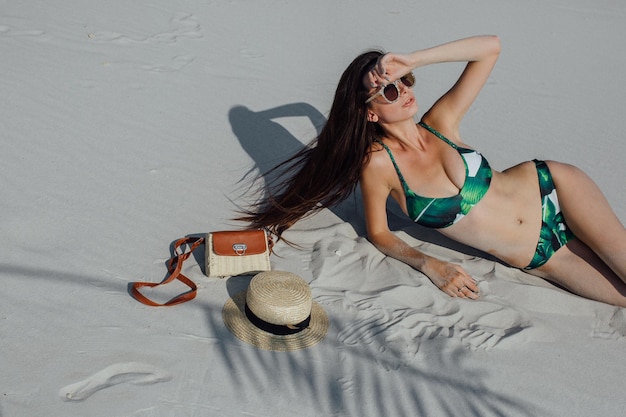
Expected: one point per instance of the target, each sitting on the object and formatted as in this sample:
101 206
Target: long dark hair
327 170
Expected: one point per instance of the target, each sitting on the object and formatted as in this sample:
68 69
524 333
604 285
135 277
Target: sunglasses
391 92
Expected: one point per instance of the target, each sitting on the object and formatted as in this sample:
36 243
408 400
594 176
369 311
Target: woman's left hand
451 278
389 68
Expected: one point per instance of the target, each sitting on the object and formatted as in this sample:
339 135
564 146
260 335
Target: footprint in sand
131 372
182 26
610 324
8 31
178 63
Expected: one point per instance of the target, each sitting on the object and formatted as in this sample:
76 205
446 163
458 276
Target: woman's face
382 111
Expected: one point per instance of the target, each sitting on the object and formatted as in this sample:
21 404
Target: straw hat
277 312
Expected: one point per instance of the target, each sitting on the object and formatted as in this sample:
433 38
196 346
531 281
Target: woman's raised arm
481 54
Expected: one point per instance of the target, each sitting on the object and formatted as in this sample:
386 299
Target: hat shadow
238 283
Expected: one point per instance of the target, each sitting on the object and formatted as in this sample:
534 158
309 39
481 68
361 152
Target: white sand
126 125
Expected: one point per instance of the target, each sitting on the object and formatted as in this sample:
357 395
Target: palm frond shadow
48 274
336 379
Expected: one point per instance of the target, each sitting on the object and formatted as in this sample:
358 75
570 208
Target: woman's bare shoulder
377 159
378 171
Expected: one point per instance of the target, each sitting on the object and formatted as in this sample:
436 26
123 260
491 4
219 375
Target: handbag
230 253
227 253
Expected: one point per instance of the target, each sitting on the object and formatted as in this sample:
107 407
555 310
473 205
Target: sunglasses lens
391 92
408 80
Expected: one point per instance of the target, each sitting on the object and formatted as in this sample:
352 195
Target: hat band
276 328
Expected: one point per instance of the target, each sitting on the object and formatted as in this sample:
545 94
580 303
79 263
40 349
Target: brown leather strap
174 267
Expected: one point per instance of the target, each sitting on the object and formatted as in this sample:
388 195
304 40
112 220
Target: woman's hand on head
451 279
390 67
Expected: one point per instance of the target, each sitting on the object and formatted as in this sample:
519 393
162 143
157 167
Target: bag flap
239 242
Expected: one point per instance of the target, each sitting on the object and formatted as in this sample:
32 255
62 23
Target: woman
548 218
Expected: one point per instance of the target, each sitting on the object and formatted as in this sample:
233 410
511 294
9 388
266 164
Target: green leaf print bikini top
442 212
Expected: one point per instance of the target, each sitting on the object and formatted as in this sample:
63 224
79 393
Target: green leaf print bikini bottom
554 231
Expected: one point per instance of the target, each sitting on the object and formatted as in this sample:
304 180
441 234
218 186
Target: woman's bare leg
577 268
589 216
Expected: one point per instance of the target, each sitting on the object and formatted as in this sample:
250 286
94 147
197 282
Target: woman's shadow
268 143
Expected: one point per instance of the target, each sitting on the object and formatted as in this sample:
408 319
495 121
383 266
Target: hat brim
237 322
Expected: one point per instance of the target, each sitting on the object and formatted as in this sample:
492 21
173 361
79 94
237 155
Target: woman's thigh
577 268
589 215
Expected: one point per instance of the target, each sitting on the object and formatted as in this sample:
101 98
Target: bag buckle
240 248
